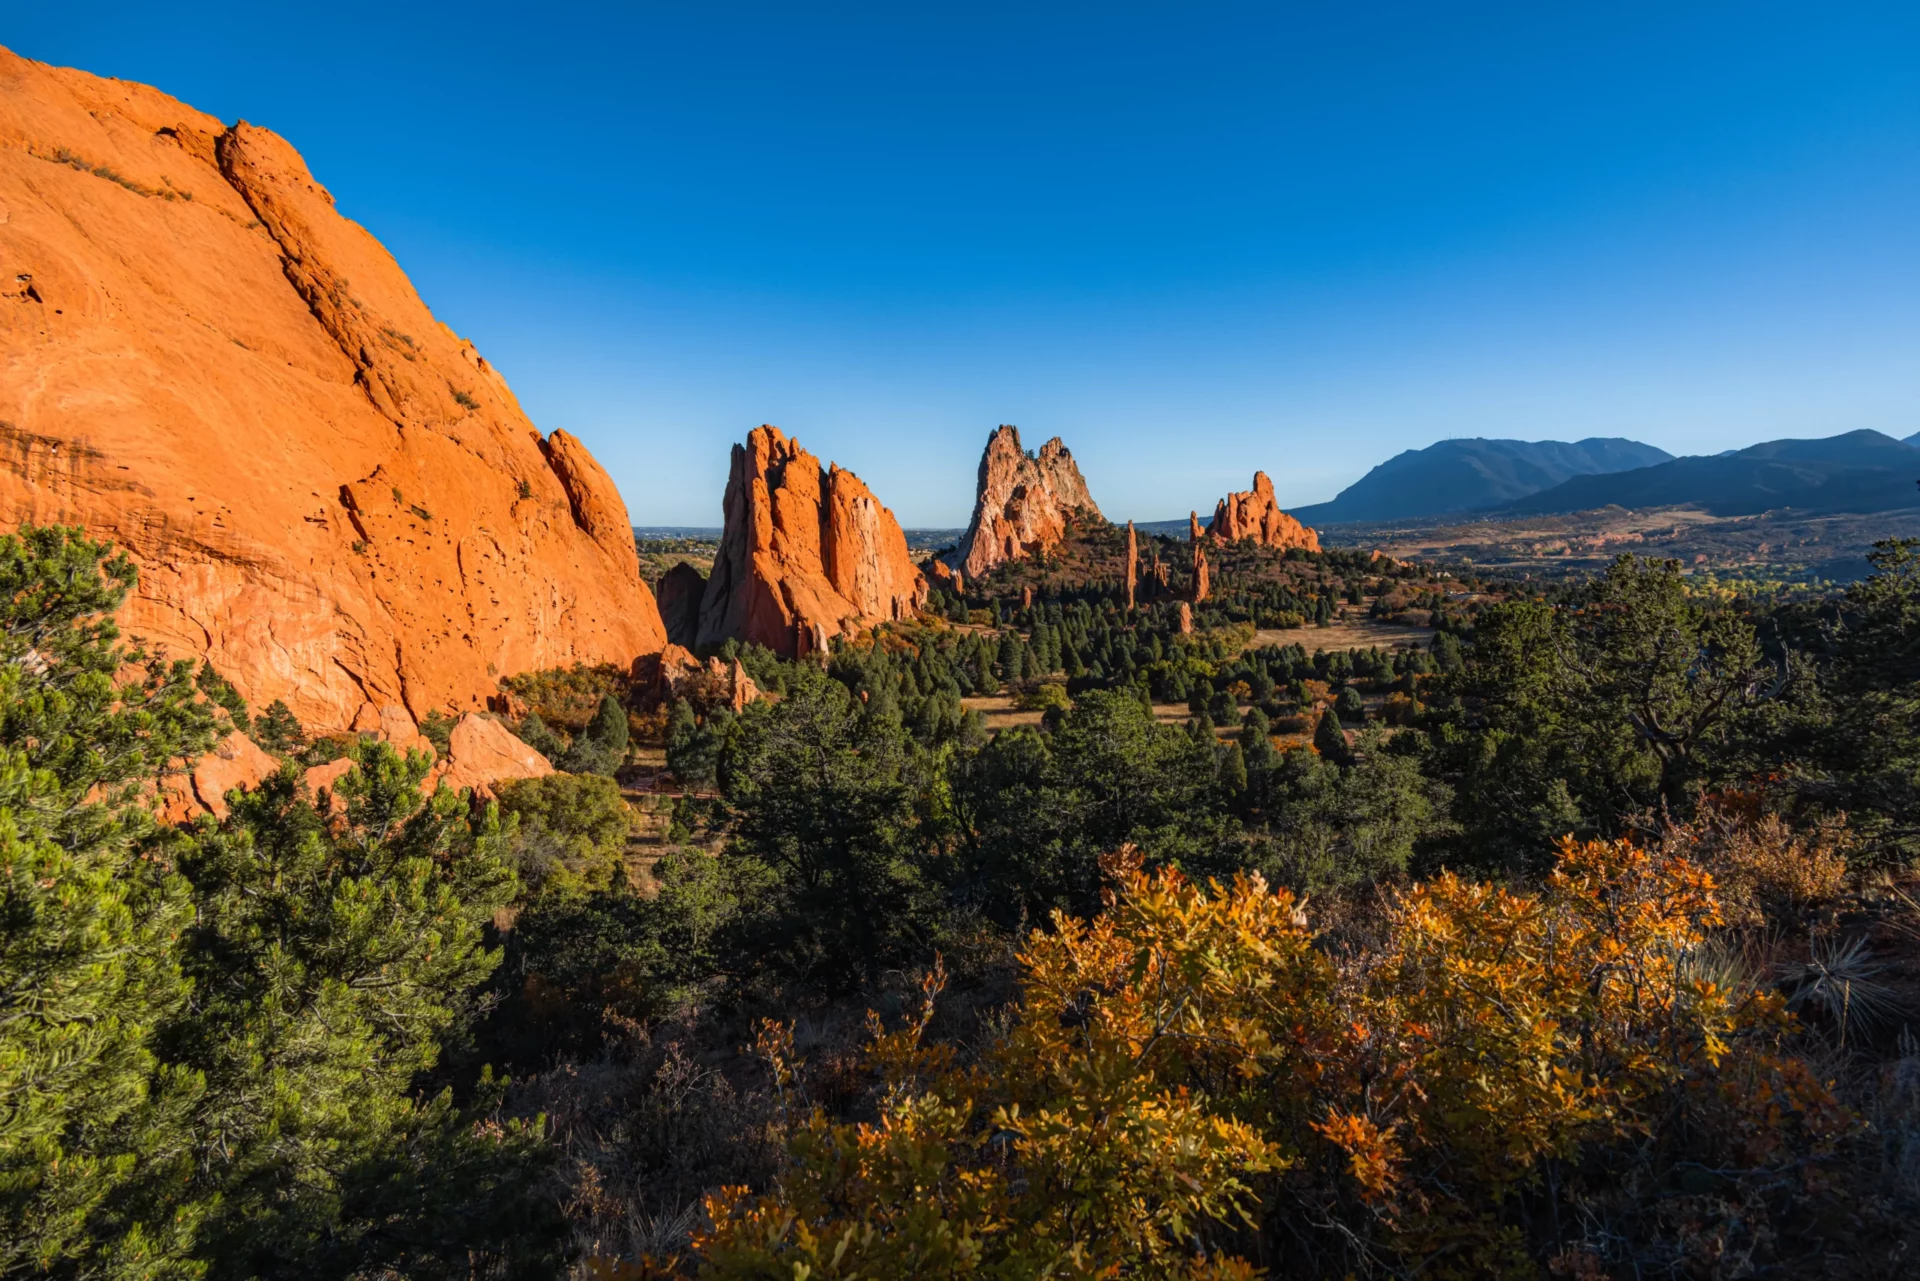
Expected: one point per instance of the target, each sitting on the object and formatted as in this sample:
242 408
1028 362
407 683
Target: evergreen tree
1233 769
533 731
278 730
1009 658
602 745
94 1142
331 959
1256 743
1330 739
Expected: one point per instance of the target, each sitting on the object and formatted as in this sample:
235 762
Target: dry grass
1345 633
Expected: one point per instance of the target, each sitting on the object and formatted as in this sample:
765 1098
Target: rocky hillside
329 493
1022 503
808 554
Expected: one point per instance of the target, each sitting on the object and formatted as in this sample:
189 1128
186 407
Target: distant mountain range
1474 475
1860 471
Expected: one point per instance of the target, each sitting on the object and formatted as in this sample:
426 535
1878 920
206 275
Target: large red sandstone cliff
1022 502
329 493
807 554
1254 514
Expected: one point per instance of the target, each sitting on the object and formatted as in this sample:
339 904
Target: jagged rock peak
806 555
1022 503
329 494
1254 514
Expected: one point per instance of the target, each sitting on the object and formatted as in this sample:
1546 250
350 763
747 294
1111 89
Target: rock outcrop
1254 514
938 571
1133 563
1022 503
329 493
481 752
678 674
807 554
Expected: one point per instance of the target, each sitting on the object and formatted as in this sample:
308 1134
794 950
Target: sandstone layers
1254 514
1022 502
329 493
807 554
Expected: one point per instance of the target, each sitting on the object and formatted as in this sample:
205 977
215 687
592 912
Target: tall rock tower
807 554
1022 503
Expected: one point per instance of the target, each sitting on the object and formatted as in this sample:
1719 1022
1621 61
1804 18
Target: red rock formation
1133 563
1254 514
236 763
678 674
806 555
481 752
328 492
1186 619
1022 502
1200 586
938 571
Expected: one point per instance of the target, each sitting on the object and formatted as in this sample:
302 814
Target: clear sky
1194 240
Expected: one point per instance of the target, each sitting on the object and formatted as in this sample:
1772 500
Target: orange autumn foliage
1193 1068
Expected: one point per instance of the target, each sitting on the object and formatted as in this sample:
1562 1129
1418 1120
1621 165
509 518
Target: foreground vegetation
1572 945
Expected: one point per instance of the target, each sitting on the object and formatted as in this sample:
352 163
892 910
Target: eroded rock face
1022 503
328 492
1254 514
807 554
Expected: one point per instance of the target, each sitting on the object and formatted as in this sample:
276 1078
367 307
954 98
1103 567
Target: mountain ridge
1473 473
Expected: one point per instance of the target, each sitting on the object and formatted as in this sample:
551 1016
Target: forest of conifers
1577 941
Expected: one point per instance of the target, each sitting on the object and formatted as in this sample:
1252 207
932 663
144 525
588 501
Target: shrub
573 830
1189 1070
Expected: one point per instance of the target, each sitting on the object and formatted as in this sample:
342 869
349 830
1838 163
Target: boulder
481 752
329 493
322 777
1022 502
236 763
1253 514
807 554
397 727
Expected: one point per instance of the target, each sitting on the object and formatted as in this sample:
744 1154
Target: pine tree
331 958
1255 742
602 745
1233 770
1330 739
279 731
93 1142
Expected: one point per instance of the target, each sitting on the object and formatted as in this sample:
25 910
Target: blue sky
1194 240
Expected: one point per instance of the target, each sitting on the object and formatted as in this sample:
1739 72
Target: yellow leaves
1177 1055
1373 1155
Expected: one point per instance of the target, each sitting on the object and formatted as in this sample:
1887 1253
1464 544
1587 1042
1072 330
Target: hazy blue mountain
1914 439
1861 471
1474 475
